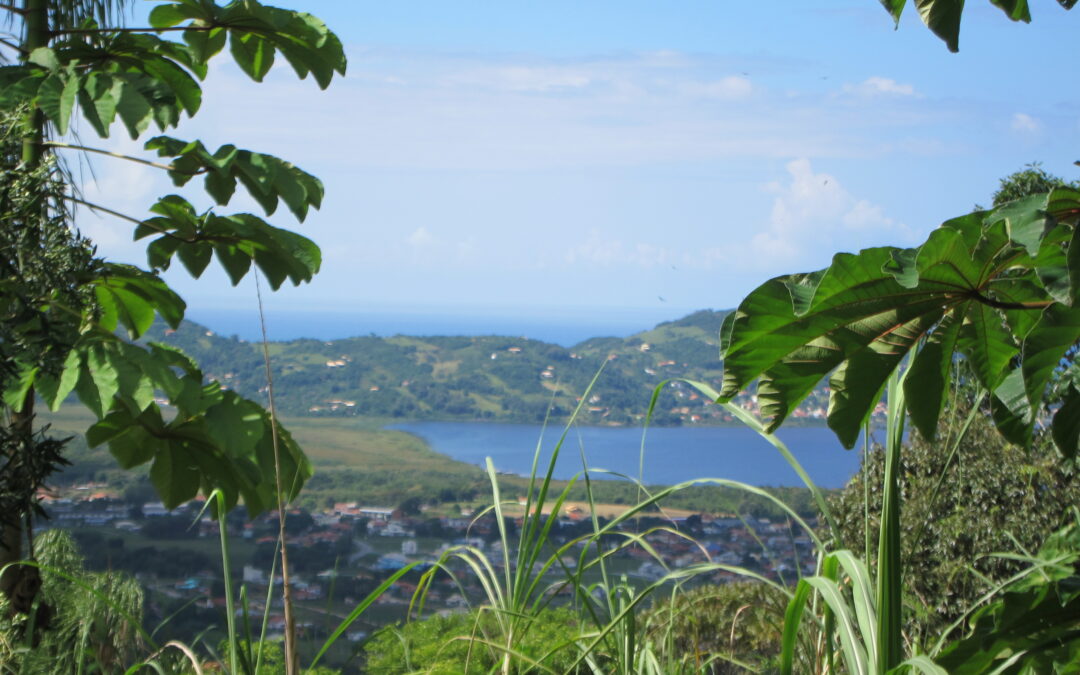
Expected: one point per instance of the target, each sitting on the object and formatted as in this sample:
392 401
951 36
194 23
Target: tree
61 307
1031 180
960 511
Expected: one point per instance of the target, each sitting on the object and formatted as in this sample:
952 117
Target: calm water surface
672 455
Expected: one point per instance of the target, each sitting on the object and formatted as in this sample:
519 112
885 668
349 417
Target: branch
156 228
124 216
84 31
147 162
12 8
12 45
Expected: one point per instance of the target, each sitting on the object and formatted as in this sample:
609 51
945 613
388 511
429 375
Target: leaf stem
291 659
130 219
13 46
110 153
149 29
998 304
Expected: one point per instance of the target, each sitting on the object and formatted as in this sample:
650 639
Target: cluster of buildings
379 540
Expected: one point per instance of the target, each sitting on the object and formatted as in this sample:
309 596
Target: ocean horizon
564 327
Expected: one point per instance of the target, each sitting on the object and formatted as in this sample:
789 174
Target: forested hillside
476 377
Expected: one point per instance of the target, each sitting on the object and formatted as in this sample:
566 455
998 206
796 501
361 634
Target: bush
993 498
441 645
741 621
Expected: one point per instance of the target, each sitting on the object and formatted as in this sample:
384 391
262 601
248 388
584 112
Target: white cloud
598 250
880 86
522 78
730 88
122 186
813 215
1025 124
420 237
426 110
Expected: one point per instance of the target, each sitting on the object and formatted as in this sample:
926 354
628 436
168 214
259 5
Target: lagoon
671 454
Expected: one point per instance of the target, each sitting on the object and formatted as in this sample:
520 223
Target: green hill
499 378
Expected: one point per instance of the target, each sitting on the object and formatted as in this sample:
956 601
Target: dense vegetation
965 513
996 290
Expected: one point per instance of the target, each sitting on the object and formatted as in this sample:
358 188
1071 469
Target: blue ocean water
672 454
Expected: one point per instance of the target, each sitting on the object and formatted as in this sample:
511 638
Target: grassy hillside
356 459
475 377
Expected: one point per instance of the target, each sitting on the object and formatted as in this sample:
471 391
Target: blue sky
628 157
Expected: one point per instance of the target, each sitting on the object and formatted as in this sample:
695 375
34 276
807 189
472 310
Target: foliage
740 621
998 288
959 511
63 309
943 16
74 62
95 618
1031 180
442 645
1034 627
271 659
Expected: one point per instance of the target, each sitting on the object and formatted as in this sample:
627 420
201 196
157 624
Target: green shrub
443 645
740 621
993 498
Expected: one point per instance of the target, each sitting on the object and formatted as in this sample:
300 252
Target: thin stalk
12 45
291 656
140 29
866 490
118 155
889 573
230 605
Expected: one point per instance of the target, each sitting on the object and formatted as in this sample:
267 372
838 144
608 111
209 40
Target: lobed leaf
995 287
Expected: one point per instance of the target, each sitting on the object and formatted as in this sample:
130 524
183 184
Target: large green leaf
978 287
131 297
238 241
943 16
926 383
255 34
1066 427
57 96
212 440
174 476
267 178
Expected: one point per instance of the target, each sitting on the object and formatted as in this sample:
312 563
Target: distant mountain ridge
498 378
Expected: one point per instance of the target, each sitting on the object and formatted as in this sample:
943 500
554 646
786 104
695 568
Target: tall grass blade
752 422
854 651
792 625
360 609
889 573
921 663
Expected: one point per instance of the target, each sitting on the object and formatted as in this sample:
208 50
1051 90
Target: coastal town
343 552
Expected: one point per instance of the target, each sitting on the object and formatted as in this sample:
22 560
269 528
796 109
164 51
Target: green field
356 459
